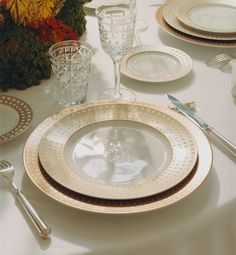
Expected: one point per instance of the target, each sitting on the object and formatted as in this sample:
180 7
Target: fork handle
40 225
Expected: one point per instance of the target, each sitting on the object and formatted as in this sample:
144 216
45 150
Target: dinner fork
7 171
218 59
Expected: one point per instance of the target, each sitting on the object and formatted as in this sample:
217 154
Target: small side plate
152 63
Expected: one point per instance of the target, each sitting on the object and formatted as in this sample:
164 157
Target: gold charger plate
75 200
17 116
169 15
188 38
118 150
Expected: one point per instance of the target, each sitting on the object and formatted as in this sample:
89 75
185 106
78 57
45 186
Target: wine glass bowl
116 28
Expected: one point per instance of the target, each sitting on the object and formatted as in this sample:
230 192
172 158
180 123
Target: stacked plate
117 157
204 22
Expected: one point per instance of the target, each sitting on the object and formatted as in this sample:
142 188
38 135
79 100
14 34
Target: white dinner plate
216 16
15 117
169 15
152 63
118 150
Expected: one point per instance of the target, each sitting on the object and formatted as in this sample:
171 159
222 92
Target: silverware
203 125
218 60
7 171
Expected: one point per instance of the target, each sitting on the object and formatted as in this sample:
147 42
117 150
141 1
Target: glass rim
98 11
61 44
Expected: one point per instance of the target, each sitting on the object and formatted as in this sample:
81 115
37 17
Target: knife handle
220 138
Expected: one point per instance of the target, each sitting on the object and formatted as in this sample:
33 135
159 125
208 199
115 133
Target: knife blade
203 125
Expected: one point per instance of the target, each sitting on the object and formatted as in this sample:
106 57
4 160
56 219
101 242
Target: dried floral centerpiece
27 29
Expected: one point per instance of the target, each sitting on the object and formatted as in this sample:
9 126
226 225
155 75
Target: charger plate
89 204
17 116
118 150
214 16
169 15
187 37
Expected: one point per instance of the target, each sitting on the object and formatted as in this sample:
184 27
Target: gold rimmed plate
187 37
151 63
17 116
75 200
169 15
213 16
115 150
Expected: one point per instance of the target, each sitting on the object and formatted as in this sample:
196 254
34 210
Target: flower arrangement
27 29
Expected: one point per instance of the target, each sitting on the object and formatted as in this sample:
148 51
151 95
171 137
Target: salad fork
7 171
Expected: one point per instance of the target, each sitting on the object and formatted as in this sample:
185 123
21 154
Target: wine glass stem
117 77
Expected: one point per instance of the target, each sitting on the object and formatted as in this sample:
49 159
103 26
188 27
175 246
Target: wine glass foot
124 94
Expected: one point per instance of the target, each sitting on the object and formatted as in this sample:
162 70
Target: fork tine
4 163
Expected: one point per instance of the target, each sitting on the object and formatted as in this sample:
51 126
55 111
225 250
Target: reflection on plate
94 4
186 37
118 151
153 63
169 15
216 16
15 115
89 204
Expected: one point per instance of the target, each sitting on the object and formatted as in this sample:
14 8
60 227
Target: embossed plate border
77 201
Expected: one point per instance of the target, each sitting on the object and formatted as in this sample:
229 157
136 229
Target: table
77 232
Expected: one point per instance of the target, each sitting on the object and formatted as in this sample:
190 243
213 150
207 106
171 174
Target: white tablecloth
202 223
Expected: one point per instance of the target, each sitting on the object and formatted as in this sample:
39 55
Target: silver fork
7 171
218 59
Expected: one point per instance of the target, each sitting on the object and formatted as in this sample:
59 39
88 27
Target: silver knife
203 125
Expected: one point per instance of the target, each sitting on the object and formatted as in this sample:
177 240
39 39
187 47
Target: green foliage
23 61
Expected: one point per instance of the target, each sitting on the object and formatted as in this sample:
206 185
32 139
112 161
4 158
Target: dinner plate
94 4
17 116
216 16
115 150
152 63
189 38
89 204
169 15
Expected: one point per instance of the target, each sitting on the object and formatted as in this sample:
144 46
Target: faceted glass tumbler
71 62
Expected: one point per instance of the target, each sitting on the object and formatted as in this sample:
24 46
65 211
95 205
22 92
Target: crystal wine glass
116 27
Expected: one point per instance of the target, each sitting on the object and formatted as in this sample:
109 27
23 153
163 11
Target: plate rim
186 63
182 15
68 178
189 38
33 170
172 21
24 112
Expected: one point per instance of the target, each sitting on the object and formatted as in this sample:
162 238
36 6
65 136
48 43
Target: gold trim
186 37
162 121
183 59
169 15
184 8
25 116
89 204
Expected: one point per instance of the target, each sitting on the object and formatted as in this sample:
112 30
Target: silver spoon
7 171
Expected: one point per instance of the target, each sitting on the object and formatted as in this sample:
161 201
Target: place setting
116 155
204 22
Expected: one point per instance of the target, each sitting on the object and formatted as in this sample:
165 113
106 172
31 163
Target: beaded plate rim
184 60
24 112
73 200
183 146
